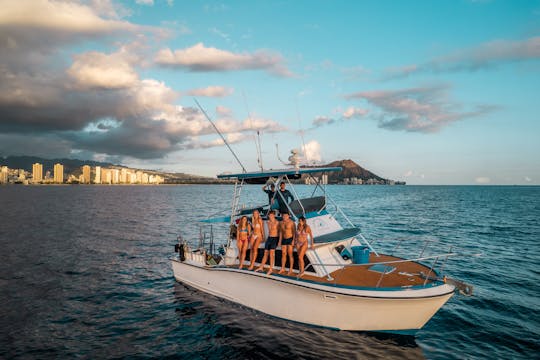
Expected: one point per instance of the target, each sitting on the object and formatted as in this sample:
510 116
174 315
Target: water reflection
234 331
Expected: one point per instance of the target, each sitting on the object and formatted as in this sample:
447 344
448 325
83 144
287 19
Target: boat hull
402 311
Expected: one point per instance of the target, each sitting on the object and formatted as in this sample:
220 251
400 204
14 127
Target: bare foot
281 271
258 269
289 273
301 274
250 268
240 267
269 271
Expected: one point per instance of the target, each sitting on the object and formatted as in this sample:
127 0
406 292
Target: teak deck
405 274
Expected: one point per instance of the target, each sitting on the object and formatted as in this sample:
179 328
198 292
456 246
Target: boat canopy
276 173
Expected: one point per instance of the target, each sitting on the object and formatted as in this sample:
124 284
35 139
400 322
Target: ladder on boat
234 205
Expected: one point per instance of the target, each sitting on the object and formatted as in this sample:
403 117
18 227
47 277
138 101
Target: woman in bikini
303 236
256 237
242 239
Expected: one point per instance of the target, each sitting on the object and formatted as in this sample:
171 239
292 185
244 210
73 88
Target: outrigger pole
220 134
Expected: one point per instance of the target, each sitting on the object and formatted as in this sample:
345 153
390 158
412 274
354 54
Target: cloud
527 179
223 111
353 112
145 2
48 21
312 152
212 91
421 109
408 173
344 115
200 58
486 55
322 120
103 71
232 138
98 103
482 180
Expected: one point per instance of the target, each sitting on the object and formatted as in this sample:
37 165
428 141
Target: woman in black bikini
303 236
242 239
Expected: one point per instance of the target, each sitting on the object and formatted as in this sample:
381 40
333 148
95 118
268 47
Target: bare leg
291 259
272 261
283 258
242 255
254 253
301 253
263 261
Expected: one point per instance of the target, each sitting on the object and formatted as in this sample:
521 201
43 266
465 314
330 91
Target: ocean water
84 272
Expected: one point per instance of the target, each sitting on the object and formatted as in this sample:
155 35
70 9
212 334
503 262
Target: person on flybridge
283 198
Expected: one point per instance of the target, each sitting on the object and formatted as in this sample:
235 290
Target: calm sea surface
84 272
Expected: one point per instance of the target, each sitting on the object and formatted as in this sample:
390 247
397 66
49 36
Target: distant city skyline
420 91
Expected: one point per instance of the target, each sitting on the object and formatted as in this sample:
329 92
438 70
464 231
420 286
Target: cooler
360 254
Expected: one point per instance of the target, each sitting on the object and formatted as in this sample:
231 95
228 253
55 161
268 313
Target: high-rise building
108 177
115 176
58 173
37 172
4 175
123 176
97 179
139 176
86 174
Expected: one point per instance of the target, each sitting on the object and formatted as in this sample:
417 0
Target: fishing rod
220 134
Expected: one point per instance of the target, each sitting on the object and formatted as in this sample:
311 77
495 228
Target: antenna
220 134
301 131
257 139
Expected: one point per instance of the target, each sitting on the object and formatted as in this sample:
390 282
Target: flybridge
277 173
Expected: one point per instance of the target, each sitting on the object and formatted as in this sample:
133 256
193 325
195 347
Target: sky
429 92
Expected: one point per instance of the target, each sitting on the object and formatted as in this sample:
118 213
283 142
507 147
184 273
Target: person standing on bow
303 237
256 237
283 197
287 236
271 242
242 239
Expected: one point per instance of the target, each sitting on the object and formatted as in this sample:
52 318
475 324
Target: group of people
285 234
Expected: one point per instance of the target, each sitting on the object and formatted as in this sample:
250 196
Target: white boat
347 284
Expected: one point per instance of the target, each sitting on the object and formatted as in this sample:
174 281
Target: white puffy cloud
64 19
312 152
352 111
212 91
202 58
107 71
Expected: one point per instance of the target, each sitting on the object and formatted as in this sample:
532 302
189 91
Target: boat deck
404 275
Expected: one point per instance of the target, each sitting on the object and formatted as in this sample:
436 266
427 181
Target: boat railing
427 276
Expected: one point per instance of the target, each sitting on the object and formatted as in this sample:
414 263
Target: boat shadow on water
219 329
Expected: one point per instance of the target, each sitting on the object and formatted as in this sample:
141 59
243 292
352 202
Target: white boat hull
401 311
